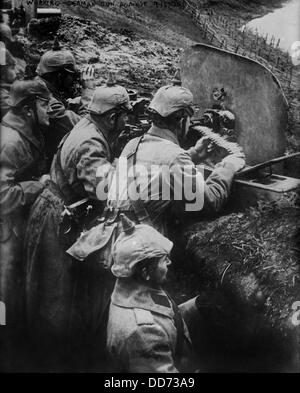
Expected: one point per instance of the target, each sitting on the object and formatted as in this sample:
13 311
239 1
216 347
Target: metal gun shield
248 89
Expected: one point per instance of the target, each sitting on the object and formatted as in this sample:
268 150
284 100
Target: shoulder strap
63 141
134 148
178 322
64 186
138 205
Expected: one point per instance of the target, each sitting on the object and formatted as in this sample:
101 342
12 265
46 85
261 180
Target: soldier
58 69
8 76
5 34
157 159
83 160
22 165
177 187
15 48
156 178
146 332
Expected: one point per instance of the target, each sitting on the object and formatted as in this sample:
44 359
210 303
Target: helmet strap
183 127
116 135
113 135
4 73
116 118
36 118
36 125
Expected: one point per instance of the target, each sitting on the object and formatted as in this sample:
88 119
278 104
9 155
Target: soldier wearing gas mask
58 69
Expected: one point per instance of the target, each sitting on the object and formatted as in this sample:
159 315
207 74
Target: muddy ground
243 265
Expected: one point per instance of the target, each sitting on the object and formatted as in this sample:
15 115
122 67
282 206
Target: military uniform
83 155
160 147
22 160
154 162
175 181
164 175
4 98
146 332
50 275
141 331
62 120
65 303
6 61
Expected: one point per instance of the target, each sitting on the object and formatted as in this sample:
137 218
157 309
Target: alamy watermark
153 183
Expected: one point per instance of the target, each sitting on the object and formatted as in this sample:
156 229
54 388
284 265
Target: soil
245 268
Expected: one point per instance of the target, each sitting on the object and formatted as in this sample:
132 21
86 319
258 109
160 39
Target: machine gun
138 121
223 139
255 182
247 109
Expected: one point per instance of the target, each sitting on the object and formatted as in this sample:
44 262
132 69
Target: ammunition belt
219 140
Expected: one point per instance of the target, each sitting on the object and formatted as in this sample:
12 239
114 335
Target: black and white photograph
150 189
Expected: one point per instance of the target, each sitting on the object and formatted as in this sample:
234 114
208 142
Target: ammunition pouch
78 217
97 241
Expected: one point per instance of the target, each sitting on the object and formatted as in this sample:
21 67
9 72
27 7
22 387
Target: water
283 24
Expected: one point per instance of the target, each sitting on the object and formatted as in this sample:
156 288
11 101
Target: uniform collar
163 133
132 294
19 124
89 118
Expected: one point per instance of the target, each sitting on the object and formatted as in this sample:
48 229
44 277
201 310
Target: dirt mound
163 21
245 266
139 63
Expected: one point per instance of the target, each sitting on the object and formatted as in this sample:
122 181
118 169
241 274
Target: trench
231 334
234 331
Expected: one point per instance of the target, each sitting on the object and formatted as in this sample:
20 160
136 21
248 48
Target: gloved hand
237 161
44 179
88 77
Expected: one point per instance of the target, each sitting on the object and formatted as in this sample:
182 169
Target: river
283 24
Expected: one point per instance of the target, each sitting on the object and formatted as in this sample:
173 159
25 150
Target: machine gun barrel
265 164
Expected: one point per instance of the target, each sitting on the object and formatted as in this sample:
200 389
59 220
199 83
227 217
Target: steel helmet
170 99
135 244
6 58
23 90
5 32
55 60
109 97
